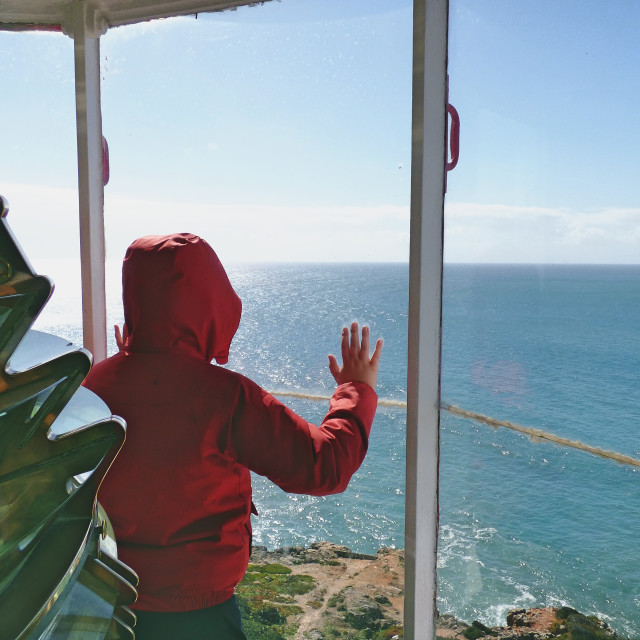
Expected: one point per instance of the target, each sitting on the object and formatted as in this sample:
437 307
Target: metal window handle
105 162
453 136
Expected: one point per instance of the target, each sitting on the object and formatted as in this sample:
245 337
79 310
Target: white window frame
429 148
86 50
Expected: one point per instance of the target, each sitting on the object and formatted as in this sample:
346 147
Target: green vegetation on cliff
573 625
266 600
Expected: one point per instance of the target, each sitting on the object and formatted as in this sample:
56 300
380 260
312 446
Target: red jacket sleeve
270 439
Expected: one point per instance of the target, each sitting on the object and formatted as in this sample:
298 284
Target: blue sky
555 85
548 94
282 132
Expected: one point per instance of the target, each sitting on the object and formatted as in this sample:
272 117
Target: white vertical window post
425 314
90 179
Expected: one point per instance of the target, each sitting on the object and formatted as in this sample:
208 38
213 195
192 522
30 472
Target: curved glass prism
59 574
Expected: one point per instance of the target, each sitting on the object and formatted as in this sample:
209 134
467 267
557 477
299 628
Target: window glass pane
38 168
281 134
541 300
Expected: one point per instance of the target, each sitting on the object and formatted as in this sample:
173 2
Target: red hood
177 296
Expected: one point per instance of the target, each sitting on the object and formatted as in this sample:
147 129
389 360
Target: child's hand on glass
121 338
357 366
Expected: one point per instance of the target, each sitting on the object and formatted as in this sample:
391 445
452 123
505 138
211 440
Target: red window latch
453 137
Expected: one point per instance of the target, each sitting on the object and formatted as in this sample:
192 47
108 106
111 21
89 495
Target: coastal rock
448 626
547 623
518 618
361 611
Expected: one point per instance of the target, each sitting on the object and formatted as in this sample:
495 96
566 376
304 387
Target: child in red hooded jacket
179 492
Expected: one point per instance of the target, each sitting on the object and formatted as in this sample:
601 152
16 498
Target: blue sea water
551 347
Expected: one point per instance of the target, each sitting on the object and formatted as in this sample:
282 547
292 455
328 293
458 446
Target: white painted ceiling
55 13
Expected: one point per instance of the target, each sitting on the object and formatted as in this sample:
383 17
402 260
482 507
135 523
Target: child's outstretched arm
357 366
270 439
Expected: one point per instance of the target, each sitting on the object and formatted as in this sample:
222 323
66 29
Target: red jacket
179 492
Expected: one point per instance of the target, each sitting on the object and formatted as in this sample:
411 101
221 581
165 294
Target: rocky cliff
327 592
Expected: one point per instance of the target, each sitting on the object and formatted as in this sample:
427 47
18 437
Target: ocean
522 523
